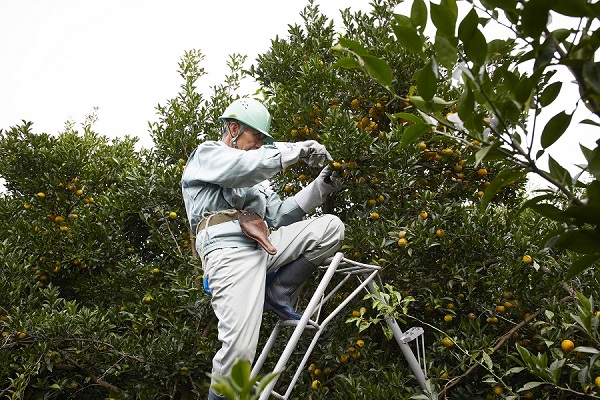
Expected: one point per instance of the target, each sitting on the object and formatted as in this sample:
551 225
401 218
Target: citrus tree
434 197
98 271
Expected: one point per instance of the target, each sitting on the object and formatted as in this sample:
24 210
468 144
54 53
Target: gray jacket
218 177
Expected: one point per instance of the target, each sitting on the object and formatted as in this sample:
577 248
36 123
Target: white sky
60 59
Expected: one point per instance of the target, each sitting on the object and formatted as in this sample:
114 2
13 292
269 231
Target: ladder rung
292 322
411 334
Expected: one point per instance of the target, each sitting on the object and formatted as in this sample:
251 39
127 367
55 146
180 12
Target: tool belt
251 223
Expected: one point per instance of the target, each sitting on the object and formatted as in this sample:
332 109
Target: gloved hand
317 191
310 151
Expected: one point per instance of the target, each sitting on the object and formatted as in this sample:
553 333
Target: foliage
99 278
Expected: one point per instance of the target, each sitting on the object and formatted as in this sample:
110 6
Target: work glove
310 151
317 191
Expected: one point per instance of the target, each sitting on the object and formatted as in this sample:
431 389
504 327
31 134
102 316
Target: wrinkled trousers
236 276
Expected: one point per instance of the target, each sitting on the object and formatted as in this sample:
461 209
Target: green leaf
530 385
412 133
581 264
589 122
348 63
418 15
534 17
580 241
523 90
593 159
408 37
353 46
501 180
446 50
466 107
468 26
550 211
473 40
574 8
585 214
555 128
550 93
379 70
427 81
407 117
482 153
591 75
444 17
240 373
559 173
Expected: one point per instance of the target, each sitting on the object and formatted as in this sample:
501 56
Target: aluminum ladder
365 274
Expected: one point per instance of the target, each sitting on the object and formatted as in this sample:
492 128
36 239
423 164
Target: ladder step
411 334
292 322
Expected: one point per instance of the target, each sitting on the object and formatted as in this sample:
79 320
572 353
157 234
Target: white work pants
237 281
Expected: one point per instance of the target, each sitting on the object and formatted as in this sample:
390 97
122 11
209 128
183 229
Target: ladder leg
266 350
293 341
406 350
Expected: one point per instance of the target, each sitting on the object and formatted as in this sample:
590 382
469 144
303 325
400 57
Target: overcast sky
60 59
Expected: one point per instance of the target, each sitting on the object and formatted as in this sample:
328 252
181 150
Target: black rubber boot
214 396
280 290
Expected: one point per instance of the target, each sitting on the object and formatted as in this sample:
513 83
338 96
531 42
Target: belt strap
216 218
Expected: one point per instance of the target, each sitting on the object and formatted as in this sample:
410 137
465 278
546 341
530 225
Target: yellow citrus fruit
172 215
59 219
447 342
148 299
423 214
529 395
381 198
482 172
480 193
343 358
312 367
315 384
356 313
458 168
302 177
422 146
497 390
597 382
501 309
374 215
567 345
527 259
336 165
447 151
41 195
79 192
21 335
155 271
440 233
287 188
402 242
64 228
448 318
360 343
26 206
493 320
371 202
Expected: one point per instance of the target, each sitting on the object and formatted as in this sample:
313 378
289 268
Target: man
222 179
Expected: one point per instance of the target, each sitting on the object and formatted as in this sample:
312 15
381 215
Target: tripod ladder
347 269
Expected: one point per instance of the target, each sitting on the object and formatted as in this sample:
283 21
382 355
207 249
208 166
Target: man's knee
334 226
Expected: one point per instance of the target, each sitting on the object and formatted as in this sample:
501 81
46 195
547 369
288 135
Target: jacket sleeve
281 213
219 164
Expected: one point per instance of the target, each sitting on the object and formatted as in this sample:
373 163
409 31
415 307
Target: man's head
246 115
